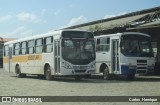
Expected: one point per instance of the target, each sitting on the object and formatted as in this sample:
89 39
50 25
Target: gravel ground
33 86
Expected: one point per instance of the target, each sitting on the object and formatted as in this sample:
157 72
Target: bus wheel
78 78
18 72
130 76
48 74
106 73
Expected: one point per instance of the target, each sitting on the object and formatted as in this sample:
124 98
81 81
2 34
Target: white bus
125 53
58 53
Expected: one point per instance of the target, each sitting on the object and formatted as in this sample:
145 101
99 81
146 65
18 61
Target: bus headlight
92 66
66 65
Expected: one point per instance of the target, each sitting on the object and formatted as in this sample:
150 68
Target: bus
56 53
127 53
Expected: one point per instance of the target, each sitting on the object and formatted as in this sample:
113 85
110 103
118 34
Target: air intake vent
141 66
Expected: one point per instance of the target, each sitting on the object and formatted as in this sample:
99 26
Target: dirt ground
10 85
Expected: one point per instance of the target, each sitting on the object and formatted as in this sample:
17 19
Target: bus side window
17 50
48 45
108 40
103 44
6 50
39 46
31 45
24 48
98 45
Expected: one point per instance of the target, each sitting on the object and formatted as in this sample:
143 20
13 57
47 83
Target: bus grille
80 67
141 66
80 71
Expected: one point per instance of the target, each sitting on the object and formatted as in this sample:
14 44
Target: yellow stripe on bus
5 59
19 59
24 58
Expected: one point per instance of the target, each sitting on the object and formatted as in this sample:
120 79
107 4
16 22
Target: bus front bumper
125 69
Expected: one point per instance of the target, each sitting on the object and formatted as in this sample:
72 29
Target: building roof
2 40
120 21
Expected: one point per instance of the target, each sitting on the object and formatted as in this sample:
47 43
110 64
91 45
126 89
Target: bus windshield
78 51
136 46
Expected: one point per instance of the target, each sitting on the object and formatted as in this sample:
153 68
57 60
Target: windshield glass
136 45
78 51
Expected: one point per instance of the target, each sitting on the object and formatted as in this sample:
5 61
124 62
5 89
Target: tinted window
17 49
103 44
77 34
136 45
31 45
6 50
48 47
39 45
24 47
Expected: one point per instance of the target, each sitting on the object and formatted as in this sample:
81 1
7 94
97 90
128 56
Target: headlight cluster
91 66
66 65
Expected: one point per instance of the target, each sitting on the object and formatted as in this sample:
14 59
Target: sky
24 18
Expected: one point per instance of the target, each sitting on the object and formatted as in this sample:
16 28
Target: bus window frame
14 49
26 48
100 45
38 46
33 47
6 50
48 44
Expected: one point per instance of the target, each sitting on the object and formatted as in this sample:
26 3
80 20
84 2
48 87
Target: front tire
18 72
48 74
106 73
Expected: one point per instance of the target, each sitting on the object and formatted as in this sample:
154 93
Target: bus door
10 59
115 55
57 56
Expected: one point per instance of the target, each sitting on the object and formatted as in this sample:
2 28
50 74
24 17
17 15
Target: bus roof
50 33
124 33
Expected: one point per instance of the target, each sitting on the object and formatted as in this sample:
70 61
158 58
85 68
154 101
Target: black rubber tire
18 73
106 74
48 75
